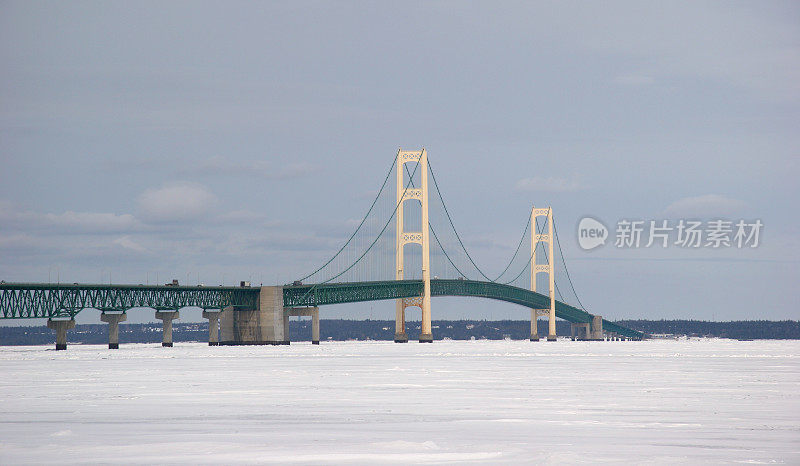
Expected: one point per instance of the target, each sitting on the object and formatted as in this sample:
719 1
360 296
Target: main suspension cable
436 237
394 212
519 245
539 230
558 242
391 169
377 237
447 212
460 242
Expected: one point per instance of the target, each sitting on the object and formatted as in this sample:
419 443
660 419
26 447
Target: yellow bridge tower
547 268
419 237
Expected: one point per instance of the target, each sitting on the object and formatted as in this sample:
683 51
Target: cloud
750 50
96 222
176 202
20 241
552 184
67 222
222 166
127 243
707 206
296 170
634 80
239 216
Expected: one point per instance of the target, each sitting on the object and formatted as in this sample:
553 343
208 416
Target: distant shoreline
342 330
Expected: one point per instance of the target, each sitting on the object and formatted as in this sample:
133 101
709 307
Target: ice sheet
691 401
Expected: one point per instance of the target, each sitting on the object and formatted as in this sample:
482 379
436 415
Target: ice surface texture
694 401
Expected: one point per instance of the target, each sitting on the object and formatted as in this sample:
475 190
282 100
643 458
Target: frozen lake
691 401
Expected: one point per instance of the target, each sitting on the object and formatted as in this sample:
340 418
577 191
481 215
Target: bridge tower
419 237
548 268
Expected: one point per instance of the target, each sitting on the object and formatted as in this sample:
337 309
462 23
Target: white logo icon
591 233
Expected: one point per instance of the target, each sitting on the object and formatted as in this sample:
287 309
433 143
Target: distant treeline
741 329
384 330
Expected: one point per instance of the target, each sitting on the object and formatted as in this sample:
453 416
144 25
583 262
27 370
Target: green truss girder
37 300
335 293
42 300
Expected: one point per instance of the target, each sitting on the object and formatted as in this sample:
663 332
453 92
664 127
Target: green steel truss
42 300
335 293
37 300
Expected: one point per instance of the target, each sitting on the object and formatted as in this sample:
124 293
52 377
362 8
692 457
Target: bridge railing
349 292
335 293
38 300
50 300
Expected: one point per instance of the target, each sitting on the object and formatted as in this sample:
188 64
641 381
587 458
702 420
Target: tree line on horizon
342 330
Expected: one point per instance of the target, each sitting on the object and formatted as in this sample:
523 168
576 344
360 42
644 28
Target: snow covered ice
689 401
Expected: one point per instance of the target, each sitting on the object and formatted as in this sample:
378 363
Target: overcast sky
233 141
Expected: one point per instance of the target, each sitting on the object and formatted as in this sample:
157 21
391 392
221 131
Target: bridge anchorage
371 266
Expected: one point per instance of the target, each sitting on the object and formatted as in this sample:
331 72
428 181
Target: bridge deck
60 300
50 300
335 293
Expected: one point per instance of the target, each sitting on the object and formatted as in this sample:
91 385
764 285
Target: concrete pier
534 325
61 327
597 328
580 331
113 319
315 329
312 312
167 317
213 327
273 324
400 335
265 325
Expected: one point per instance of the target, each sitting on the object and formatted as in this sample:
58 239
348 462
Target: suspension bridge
406 248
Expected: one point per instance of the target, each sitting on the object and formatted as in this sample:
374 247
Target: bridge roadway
335 293
50 300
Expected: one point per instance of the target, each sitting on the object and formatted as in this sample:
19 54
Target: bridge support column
213 327
426 334
286 338
581 331
400 335
422 237
584 334
597 328
535 314
226 333
312 312
273 325
266 325
61 327
315 328
167 317
113 320
547 268
551 335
